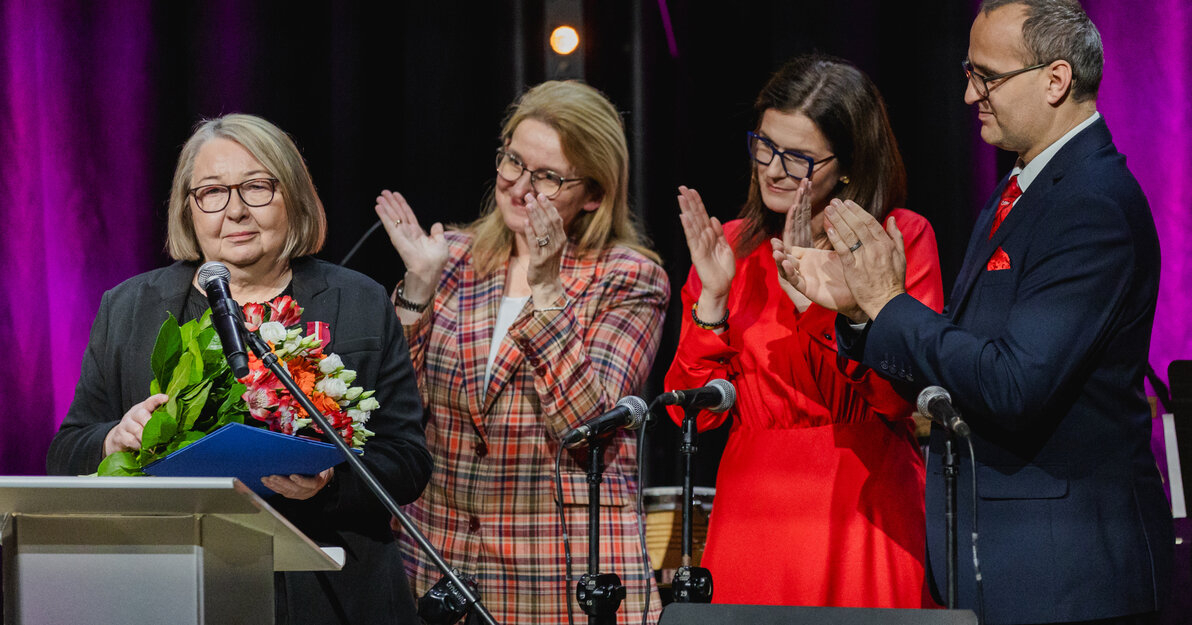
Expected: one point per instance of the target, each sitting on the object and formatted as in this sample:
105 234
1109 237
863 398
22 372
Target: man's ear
1059 81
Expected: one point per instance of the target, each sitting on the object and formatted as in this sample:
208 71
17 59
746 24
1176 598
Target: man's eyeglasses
212 198
795 164
510 168
981 83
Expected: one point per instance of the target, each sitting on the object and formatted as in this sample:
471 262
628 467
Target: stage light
563 21
564 40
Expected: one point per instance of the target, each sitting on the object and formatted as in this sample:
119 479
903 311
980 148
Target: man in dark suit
1043 344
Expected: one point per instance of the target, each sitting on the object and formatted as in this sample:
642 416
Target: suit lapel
1033 200
479 297
978 252
576 274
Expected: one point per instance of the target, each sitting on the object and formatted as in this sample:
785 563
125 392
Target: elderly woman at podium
242 195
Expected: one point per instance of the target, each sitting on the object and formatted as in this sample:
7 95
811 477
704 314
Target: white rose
330 364
359 416
369 404
347 375
353 393
332 387
273 332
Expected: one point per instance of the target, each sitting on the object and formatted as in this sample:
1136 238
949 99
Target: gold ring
397 222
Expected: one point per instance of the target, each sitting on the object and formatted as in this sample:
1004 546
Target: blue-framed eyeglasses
795 164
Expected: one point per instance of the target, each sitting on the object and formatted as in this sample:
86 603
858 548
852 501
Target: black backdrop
408 96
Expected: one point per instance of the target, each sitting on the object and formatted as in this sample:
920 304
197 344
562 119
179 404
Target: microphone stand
691 584
950 552
599 594
261 349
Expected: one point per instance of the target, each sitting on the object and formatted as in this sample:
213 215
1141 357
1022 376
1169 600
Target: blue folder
248 453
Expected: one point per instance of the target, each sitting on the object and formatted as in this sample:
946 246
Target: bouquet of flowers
321 376
189 366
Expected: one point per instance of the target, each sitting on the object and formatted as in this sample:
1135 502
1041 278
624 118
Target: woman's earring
844 180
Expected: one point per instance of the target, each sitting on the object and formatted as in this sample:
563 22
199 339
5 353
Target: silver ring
856 246
543 241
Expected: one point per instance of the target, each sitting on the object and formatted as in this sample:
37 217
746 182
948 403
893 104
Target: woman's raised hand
545 237
711 253
424 255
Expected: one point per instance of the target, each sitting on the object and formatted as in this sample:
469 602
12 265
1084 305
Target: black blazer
1046 360
366 333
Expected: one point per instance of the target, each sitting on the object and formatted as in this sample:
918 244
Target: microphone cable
359 242
563 526
976 560
639 509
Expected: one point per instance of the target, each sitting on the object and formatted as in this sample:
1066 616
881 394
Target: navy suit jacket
1046 360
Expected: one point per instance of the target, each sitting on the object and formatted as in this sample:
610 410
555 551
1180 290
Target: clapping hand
816 275
424 255
545 237
873 258
711 254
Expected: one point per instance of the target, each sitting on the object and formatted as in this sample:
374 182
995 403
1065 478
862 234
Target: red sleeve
923 279
702 355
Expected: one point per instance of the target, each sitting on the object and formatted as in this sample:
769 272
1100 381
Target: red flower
285 311
254 316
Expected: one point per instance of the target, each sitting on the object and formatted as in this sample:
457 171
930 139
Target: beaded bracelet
703 325
400 300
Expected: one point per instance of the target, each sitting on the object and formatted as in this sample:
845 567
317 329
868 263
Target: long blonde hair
593 141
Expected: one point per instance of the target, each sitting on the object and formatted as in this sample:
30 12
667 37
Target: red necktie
1011 193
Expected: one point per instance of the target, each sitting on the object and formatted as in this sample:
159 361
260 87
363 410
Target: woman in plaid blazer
529 321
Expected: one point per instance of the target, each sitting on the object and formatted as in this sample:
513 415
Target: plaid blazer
490 507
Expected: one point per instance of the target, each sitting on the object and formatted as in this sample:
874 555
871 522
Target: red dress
819 494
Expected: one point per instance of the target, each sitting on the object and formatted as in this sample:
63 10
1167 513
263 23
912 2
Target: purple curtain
1144 97
75 99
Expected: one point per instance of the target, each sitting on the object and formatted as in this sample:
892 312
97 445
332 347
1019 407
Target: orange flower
304 374
325 404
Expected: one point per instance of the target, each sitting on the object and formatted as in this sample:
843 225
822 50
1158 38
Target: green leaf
196 369
120 464
181 376
166 350
154 387
160 428
193 408
183 441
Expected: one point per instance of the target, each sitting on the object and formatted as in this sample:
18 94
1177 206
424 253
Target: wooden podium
144 550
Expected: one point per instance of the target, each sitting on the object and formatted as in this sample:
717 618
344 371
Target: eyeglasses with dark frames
212 198
983 87
510 168
796 164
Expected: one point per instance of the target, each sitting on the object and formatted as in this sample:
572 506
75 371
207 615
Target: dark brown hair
847 108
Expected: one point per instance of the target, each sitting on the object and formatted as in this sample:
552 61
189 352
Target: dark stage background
97 98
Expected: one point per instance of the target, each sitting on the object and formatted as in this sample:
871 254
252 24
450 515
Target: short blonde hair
277 152
593 140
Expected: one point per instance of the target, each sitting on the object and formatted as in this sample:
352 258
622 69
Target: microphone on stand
225 315
719 395
936 403
629 413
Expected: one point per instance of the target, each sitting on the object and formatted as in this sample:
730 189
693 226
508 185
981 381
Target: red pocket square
998 261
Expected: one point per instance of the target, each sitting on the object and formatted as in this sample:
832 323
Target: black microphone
718 396
225 315
936 403
630 413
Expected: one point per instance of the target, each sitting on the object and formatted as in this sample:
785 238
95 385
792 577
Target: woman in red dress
819 495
